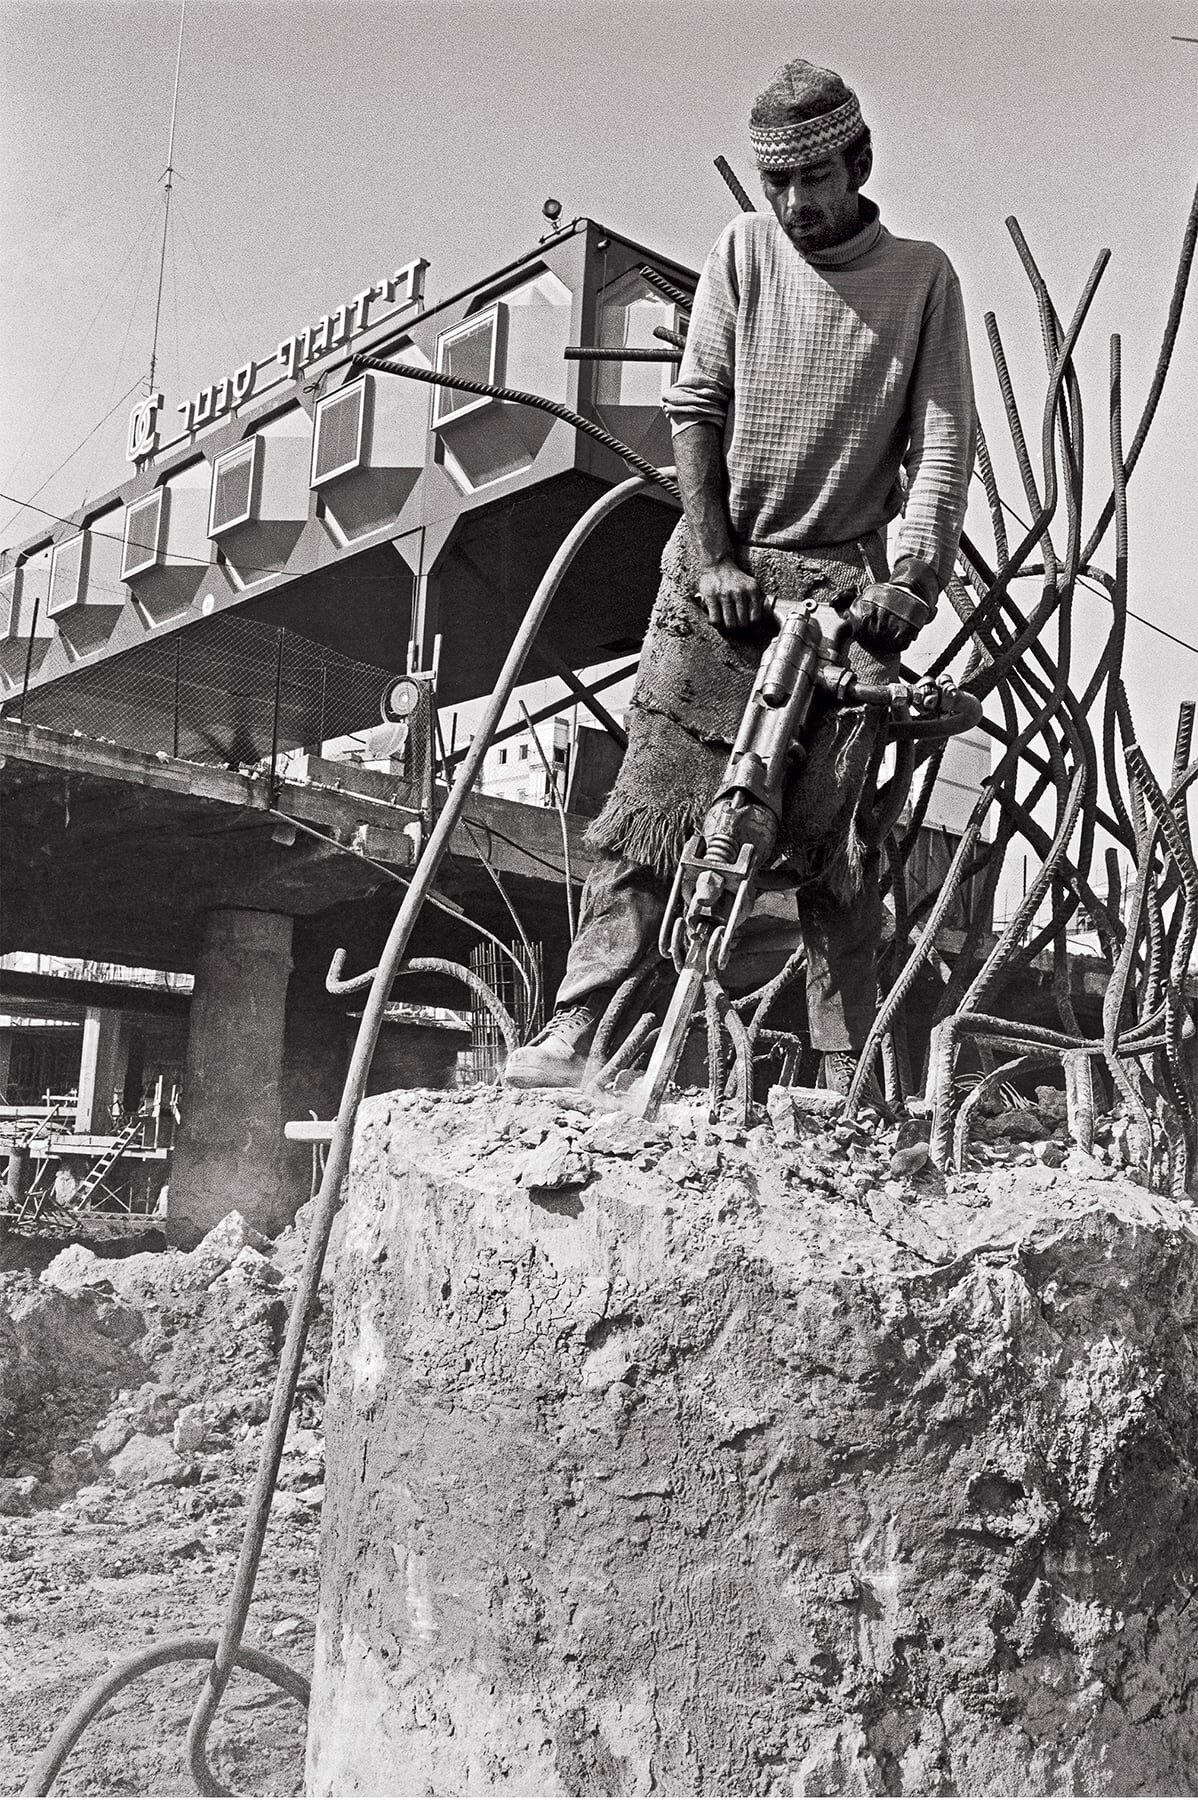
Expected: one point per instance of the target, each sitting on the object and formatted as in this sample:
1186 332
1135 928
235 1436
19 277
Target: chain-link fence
236 692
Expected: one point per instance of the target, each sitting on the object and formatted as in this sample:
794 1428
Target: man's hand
887 616
731 595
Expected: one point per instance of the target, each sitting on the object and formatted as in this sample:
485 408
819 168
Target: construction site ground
132 1396
135 1380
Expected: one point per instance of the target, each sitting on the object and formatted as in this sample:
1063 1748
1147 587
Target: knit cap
803 115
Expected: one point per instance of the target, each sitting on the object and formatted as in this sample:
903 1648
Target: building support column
229 1152
101 1069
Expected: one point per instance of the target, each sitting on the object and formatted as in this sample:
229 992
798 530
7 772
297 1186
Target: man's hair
860 144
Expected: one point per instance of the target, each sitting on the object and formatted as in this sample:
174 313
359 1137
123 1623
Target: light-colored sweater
840 380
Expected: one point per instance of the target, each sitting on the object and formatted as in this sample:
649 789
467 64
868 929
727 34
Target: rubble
18 1495
132 1391
148 1462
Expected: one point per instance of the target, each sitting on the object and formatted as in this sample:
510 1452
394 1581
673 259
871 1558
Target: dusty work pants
620 916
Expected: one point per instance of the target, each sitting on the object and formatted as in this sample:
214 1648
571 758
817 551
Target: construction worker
824 391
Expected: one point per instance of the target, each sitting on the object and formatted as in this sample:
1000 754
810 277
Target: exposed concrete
102 1063
229 1153
16 1177
691 1464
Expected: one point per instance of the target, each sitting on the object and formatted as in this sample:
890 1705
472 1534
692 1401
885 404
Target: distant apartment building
516 769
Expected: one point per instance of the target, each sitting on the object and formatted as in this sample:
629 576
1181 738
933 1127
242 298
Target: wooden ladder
104 1164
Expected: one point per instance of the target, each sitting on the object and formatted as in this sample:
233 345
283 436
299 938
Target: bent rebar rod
337 1163
518 397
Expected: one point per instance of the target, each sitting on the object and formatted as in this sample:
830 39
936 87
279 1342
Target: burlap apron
691 689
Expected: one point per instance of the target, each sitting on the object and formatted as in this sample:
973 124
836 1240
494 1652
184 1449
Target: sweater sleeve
940 447
704 388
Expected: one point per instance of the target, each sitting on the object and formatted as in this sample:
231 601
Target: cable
532 986
175 306
70 362
211 284
120 357
1086 582
190 562
144 1662
28 506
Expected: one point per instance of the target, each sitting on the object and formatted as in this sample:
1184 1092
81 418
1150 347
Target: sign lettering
143 428
397 291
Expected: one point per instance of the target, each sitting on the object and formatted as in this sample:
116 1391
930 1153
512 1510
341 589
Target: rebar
1049 750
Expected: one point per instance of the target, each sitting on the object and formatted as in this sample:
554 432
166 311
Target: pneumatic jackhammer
715 884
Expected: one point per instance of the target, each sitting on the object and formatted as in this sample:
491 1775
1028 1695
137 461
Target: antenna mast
170 182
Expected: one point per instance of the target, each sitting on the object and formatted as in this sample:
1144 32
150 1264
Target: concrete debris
124 1383
112 1436
556 1163
1017 1122
18 1494
148 1462
227 1239
249 1268
909 1161
75 1269
190 1430
616 1134
153 1407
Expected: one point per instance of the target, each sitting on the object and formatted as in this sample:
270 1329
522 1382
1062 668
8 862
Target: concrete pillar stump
670 1462
229 1152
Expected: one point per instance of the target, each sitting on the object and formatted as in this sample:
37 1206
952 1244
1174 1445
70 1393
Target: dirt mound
132 1392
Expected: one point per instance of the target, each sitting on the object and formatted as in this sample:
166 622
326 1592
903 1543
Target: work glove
888 615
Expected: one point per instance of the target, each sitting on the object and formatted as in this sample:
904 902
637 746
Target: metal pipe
613 353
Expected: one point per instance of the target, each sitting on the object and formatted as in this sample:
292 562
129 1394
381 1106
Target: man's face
816 206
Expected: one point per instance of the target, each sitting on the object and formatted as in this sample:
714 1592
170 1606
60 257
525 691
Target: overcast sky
320 144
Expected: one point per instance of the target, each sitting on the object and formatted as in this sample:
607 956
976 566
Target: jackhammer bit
715 883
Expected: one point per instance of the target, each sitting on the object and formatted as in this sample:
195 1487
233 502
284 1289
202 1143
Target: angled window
145 522
234 488
339 442
67 577
471 350
630 310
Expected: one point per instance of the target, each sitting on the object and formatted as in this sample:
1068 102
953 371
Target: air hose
228 1652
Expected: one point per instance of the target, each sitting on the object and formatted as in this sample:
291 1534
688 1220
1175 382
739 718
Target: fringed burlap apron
691 690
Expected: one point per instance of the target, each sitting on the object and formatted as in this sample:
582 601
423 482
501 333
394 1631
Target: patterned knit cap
802 116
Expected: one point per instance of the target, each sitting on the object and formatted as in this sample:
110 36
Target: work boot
836 1072
557 1056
